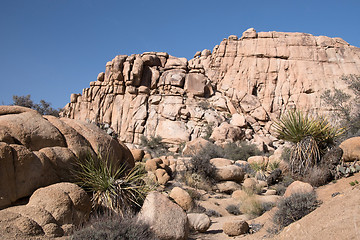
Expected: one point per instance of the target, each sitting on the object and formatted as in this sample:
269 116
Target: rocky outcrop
254 78
52 212
36 151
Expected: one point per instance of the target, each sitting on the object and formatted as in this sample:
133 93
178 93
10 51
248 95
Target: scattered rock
199 222
298 187
230 173
351 148
182 198
138 154
235 228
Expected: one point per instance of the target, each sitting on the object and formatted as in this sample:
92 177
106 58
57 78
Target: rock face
52 211
256 78
36 151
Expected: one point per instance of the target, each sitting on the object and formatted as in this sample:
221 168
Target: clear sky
52 48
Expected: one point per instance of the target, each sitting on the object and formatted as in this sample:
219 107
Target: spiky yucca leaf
115 188
311 137
295 126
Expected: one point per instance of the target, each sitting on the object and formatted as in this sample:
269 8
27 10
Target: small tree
346 110
44 108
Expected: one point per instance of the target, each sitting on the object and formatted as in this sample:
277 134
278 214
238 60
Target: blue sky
52 48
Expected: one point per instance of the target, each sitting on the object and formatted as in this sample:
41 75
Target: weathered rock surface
298 187
235 228
51 211
37 151
351 148
182 198
256 78
166 219
199 222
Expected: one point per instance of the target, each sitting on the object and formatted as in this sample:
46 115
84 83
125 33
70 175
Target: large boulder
351 148
52 211
166 219
36 151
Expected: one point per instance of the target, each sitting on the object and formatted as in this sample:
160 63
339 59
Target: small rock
199 222
182 198
162 176
235 228
298 187
230 173
138 154
227 187
249 183
151 165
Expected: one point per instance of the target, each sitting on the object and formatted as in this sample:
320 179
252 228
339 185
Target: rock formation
254 78
36 151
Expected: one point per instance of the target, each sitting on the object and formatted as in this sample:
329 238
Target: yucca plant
311 137
114 188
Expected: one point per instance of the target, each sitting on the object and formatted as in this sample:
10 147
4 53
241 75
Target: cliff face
248 82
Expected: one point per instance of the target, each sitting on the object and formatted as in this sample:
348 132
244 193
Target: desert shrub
233 209
44 108
347 112
251 206
212 213
114 188
281 186
113 228
194 194
311 138
208 130
317 176
240 151
200 162
197 208
293 208
197 181
154 145
259 170
286 154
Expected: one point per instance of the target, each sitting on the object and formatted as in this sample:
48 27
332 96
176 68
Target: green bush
154 145
293 208
114 228
240 151
311 136
114 188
